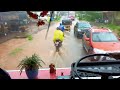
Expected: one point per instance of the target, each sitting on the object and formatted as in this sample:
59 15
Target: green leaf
30 62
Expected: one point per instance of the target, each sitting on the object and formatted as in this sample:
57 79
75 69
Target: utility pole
68 13
112 17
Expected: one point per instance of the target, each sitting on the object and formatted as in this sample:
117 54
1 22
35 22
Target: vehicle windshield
25 33
104 37
84 25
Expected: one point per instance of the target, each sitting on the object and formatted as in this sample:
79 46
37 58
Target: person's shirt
58 34
62 27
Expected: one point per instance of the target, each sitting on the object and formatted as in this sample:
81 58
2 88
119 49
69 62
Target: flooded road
71 50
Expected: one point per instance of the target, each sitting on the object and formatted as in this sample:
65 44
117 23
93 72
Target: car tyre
90 51
74 33
81 36
78 36
83 44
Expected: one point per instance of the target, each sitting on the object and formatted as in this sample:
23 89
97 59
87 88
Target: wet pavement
71 50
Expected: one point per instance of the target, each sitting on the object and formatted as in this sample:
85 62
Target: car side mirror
87 39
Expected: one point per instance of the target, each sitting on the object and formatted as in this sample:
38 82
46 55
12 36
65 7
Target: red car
100 40
72 18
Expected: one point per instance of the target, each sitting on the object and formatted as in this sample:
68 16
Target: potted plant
31 66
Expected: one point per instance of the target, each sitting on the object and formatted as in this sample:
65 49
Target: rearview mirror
87 39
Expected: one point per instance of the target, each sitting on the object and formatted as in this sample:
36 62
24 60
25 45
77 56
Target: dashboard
97 70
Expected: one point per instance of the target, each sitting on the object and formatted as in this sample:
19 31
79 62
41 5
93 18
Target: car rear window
66 22
104 37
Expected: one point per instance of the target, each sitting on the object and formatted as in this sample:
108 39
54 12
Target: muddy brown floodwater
70 52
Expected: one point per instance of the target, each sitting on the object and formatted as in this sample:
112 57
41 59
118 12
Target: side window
87 33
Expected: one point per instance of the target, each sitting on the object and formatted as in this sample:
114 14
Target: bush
29 37
15 51
57 18
30 63
90 16
113 27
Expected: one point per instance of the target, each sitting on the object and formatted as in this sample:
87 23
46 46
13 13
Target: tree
89 15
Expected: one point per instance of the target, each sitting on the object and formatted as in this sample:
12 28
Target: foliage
30 63
89 15
57 18
29 37
93 15
113 27
15 51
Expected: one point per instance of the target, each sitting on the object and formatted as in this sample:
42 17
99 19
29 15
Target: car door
86 40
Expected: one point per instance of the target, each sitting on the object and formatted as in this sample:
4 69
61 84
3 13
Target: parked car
72 18
80 27
67 24
100 40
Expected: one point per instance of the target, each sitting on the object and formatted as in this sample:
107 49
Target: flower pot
32 74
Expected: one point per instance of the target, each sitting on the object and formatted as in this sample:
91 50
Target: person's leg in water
54 50
55 45
60 43
63 33
60 52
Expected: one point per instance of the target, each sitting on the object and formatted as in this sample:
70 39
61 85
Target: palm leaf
30 62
